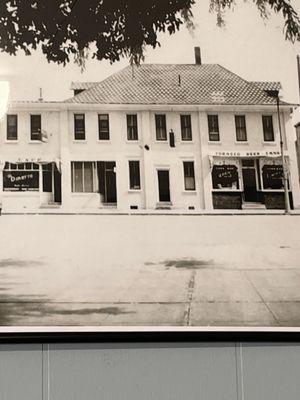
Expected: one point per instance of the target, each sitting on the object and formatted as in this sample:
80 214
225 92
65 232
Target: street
150 270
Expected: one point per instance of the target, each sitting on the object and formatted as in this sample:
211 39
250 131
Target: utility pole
275 95
284 163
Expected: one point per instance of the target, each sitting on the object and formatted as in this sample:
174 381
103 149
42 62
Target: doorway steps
253 206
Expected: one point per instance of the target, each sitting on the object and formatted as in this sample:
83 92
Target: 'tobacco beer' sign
21 180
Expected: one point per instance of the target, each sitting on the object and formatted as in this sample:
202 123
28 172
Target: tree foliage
109 29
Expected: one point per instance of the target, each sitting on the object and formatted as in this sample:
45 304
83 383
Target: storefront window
272 176
225 177
82 177
20 177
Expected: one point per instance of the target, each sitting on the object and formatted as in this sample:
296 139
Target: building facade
182 138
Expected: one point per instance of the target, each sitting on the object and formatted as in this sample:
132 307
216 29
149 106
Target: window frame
32 138
262 178
185 176
227 188
239 128
132 137
186 127
73 183
269 116
11 139
161 128
101 132
132 178
210 131
78 132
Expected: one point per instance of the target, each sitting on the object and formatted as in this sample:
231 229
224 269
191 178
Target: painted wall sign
263 153
20 181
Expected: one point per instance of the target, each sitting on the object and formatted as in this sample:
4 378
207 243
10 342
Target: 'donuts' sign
20 181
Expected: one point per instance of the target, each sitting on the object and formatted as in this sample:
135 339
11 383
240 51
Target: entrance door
163 185
57 185
107 181
249 181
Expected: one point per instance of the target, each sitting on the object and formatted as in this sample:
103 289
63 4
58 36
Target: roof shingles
208 84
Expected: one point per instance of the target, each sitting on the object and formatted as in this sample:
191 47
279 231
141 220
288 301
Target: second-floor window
213 128
134 175
103 120
132 127
186 127
79 127
267 121
160 125
240 127
12 127
35 126
189 175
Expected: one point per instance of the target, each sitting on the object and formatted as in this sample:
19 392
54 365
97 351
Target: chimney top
197 55
41 94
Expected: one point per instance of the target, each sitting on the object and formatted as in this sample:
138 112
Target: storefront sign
263 153
20 181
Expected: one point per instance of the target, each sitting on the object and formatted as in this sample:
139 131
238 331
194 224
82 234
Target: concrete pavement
150 271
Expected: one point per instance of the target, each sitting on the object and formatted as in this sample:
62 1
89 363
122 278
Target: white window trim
195 181
128 175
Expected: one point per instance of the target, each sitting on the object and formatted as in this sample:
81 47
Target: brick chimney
197 56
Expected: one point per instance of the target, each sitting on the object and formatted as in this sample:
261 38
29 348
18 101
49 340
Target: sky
253 48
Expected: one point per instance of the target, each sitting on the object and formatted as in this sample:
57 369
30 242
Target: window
35 127
189 175
79 127
272 176
134 175
240 127
83 177
213 128
186 127
225 177
103 121
20 177
12 127
132 128
160 125
268 129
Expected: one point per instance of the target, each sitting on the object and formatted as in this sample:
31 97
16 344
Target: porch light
4 94
275 94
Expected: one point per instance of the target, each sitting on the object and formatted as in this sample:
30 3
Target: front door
107 181
163 185
249 181
57 185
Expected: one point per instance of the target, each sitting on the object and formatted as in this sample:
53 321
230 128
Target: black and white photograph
150 164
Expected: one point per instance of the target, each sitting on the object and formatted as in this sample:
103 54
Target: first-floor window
189 175
225 177
20 177
272 176
83 176
134 175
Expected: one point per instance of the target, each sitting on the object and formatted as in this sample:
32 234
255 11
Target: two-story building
184 137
